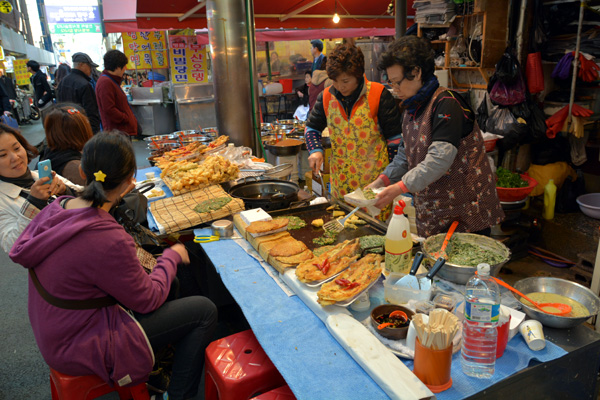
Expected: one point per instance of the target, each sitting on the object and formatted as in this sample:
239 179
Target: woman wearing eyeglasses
363 120
442 159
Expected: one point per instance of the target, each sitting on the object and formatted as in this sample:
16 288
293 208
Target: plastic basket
516 194
490 144
287 84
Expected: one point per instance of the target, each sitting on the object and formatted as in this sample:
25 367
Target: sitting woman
22 193
67 131
77 253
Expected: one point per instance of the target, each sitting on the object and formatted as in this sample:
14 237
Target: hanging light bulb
336 17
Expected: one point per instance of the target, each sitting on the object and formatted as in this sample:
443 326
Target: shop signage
73 14
5 7
188 60
75 28
21 74
145 50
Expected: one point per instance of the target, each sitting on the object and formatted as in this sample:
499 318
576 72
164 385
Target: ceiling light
336 18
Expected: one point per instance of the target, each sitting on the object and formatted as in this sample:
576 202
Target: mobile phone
45 169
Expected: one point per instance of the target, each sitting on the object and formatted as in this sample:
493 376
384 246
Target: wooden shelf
438 41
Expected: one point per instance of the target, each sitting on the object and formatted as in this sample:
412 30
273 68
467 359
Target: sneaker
158 381
161 396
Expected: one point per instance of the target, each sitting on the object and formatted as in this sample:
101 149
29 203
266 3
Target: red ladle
562 308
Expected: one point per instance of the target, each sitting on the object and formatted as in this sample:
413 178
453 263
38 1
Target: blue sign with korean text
73 14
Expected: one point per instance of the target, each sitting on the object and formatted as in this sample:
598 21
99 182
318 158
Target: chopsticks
439 332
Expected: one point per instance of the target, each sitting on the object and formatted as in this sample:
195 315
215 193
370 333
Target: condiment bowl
563 287
390 333
461 273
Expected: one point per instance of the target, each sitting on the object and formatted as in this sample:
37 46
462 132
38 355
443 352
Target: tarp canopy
314 14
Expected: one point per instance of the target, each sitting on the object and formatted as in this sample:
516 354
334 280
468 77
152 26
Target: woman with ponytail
86 265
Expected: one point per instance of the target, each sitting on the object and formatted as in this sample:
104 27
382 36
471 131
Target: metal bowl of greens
465 251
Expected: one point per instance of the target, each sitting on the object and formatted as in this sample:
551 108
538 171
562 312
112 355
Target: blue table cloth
311 361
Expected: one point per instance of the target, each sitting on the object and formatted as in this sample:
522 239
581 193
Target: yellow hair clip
100 176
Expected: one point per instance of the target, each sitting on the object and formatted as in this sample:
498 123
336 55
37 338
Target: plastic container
287 85
516 194
395 294
424 307
398 242
482 313
444 301
433 367
549 199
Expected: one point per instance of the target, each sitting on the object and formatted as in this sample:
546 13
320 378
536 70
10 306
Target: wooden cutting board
177 213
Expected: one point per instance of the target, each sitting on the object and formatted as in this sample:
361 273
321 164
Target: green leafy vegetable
507 179
294 222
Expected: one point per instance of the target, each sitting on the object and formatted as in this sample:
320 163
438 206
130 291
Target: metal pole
400 14
576 59
253 79
227 33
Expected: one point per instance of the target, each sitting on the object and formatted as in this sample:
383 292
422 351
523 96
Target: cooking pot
270 194
282 151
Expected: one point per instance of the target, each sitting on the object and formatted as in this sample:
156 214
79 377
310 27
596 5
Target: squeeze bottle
549 199
398 242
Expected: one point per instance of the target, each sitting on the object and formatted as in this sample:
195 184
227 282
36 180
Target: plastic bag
508 69
536 122
482 114
508 94
502 122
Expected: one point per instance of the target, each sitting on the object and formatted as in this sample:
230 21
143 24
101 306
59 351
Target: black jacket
76 88
388 115
8 86
4 101
41 89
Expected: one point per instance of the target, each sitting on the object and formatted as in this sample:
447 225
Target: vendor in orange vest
363 120
442 159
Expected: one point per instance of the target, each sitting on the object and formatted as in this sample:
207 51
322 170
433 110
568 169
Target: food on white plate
351 281
329 263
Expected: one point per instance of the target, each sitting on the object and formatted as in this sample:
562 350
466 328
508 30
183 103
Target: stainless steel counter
155 114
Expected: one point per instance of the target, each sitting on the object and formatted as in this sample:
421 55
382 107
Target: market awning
300 14
119 16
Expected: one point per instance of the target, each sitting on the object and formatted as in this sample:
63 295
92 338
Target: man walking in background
41 88
112 102
317 52
77 88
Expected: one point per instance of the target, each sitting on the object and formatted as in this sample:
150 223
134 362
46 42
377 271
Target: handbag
9 121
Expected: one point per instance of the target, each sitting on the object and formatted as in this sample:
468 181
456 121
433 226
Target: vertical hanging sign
188 60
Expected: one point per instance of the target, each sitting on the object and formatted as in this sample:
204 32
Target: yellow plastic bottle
398 242
549 199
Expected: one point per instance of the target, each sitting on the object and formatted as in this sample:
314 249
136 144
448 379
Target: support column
400 13
227 33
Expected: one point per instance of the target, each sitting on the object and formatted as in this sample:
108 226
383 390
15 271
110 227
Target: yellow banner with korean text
145 50
21 73
187 60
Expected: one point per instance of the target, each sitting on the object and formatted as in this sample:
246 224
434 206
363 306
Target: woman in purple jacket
75 252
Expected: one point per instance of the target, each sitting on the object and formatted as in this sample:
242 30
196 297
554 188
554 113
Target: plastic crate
516 194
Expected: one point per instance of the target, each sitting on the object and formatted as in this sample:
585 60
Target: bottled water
482 312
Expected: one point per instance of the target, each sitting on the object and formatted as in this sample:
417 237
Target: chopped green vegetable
507 179
212 204
320 250
327 238
294 222
373 242
470 255
369 194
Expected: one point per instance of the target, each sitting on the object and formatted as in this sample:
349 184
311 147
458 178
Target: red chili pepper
343 282
325 269
384 325
352 285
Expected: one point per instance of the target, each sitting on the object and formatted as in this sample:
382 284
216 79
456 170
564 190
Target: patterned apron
466 193
358 150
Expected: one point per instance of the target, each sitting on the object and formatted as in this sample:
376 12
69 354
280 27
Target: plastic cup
432 367
533 334
149 175
503 329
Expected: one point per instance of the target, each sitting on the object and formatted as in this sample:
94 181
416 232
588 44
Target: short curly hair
409 52
345 58
114 59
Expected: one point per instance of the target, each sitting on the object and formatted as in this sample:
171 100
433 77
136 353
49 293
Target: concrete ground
23 372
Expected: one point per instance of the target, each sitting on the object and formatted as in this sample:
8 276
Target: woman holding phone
22 192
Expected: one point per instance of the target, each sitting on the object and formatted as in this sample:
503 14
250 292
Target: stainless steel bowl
563 287
184 133
462 273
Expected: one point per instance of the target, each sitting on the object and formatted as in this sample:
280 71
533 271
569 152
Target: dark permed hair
109 152
409 52
114 59
345 58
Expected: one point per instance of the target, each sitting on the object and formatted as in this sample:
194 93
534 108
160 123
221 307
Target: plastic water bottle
482 313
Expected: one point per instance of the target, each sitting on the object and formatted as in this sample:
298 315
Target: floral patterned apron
358 150
466 193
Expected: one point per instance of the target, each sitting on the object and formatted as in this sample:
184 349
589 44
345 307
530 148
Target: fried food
267 226
352 281
329 263
186 174
288 249
317 223
338 214
296 259
259 241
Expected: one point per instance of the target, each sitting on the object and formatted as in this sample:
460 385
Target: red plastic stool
67 387
281 393
237 368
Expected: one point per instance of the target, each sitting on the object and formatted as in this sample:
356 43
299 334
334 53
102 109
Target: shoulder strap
90 304
326 100
375 98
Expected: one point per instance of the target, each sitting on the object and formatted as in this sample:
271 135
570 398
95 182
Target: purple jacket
84 254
